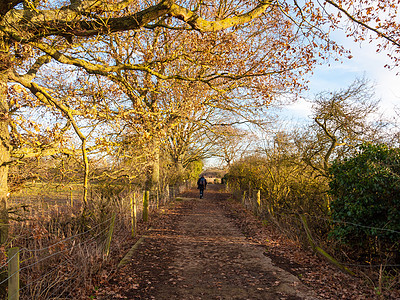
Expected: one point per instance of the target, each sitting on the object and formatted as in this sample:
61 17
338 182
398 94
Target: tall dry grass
62 248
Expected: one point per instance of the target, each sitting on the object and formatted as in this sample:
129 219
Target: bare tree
342 120
232 144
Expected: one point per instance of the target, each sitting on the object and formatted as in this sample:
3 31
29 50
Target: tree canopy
121 60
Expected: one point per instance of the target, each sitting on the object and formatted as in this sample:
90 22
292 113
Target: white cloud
301 108
337 75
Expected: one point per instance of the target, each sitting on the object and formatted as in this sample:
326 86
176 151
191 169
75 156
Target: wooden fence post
109 236
145 215
164 194
250 194
13 273
254 201
157 198
319 250
71 200
134 214
258 197
259 206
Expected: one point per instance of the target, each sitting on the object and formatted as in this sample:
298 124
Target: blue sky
339 75
365 62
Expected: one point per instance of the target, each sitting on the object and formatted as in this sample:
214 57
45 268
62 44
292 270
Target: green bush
366 199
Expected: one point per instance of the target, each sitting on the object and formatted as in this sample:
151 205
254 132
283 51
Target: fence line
256 203
49 256
346 264
48 247
341 222
159 196
42 276
68 238
52 255
64 250
355 224
10 258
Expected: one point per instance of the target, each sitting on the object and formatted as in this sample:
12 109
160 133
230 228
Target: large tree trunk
179 168
5 149
154 178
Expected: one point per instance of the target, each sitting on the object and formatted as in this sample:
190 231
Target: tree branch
202 25
352 18
78 20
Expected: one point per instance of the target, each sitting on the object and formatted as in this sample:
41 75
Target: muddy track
201 254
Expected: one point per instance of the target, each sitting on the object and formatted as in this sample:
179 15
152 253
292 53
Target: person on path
201 185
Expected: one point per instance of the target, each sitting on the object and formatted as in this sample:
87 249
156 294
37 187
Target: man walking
201 185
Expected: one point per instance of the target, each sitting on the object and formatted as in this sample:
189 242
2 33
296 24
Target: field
65 247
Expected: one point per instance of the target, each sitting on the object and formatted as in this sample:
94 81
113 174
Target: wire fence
337 221
294 216
40 259
253 202
41 262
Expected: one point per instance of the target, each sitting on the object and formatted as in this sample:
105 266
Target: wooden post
109 236
71 200
255 201
258 202
145 214
244 198
13 273
250 194
157 198
259 206
319 250
134 214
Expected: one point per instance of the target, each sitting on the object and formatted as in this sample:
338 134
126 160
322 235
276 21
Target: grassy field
63 248
49 193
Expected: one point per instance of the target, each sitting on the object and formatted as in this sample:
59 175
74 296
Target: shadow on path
198 253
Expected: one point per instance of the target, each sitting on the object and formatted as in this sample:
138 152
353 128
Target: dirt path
201 254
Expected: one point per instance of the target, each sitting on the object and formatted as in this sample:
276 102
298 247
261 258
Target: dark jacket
201 183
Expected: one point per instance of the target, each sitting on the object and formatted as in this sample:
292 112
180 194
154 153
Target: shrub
366 199
286 185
